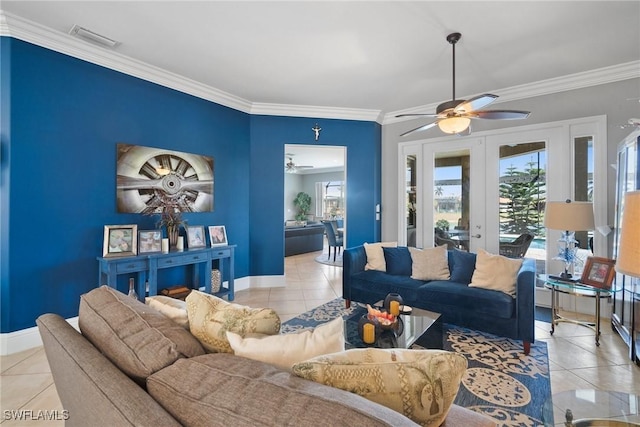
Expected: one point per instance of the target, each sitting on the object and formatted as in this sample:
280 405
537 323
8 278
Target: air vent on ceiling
90 36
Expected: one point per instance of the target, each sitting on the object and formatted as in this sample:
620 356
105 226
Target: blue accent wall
268 137
61 120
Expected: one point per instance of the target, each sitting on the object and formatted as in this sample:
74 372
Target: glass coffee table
585 408
420 327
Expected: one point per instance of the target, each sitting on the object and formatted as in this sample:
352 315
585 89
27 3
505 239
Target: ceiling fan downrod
453 38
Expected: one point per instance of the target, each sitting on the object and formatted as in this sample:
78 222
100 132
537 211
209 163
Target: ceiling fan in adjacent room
290 167
454 117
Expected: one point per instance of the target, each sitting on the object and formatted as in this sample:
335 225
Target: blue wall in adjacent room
61 121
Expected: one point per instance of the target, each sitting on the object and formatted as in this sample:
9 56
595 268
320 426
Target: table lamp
569 217
628 261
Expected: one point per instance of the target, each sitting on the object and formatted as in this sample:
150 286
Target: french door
478 191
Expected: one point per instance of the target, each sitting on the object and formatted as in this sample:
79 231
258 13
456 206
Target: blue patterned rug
501 382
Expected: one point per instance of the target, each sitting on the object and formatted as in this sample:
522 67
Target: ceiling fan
454 117
291 167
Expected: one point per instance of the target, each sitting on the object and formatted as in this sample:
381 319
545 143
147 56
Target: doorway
320 172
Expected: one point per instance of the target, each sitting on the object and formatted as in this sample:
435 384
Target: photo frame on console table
598 272
218 235
196 237
149 241
120 240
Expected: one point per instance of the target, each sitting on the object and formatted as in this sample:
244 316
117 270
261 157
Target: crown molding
316 112
31 32
614 73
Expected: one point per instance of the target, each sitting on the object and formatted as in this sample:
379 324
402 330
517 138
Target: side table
581 290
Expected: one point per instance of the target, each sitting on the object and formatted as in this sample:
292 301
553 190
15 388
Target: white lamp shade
454 124
628 261
572 216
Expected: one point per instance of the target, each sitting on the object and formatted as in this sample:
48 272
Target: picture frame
598 272
196 237
120 240
218 235
149 241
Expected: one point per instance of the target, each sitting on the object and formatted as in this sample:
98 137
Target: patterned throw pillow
211 317
496 272
430 264
421 384
286 349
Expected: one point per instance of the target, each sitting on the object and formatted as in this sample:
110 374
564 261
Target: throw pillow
463 265
397 260
174 309
375 255
496 272
430 264
286 349
211 317
135 337
421 384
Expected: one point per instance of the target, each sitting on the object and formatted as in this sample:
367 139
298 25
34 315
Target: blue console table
146 268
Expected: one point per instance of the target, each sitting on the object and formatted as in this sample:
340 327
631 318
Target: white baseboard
24 339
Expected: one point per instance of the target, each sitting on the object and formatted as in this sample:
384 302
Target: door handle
477 236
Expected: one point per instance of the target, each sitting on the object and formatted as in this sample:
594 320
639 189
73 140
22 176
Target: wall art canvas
155 180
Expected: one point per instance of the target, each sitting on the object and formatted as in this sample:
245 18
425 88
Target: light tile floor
574 360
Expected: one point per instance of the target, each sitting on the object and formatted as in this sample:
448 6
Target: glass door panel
411 199
522 196
451 199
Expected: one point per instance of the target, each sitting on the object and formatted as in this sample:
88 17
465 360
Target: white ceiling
338 57
322 158
383 57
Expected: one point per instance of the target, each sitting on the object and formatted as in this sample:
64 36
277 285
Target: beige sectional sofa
132 366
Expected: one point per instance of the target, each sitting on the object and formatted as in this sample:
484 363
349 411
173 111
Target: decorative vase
172 234
393 304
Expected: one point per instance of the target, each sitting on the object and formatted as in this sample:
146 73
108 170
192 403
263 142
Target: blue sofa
475 308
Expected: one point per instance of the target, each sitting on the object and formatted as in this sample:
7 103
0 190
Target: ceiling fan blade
475 103
421 128
500 114
417 115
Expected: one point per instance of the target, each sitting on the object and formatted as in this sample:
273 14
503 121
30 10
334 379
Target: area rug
501 382
322 259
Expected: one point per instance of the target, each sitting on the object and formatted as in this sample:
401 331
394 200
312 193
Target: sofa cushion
135 337
430 264
228 390
464 263
496 272
397 260
375 255
286 349
380 284
173 308
449 297
211 317
420 384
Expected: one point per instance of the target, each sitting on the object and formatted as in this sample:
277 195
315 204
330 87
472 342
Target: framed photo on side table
120 240
598 272
149 241
196 237
218 235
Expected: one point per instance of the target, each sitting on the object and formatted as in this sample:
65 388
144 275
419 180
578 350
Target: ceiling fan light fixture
454 125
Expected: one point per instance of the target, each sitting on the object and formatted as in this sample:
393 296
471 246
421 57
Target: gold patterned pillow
211 317
421 384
